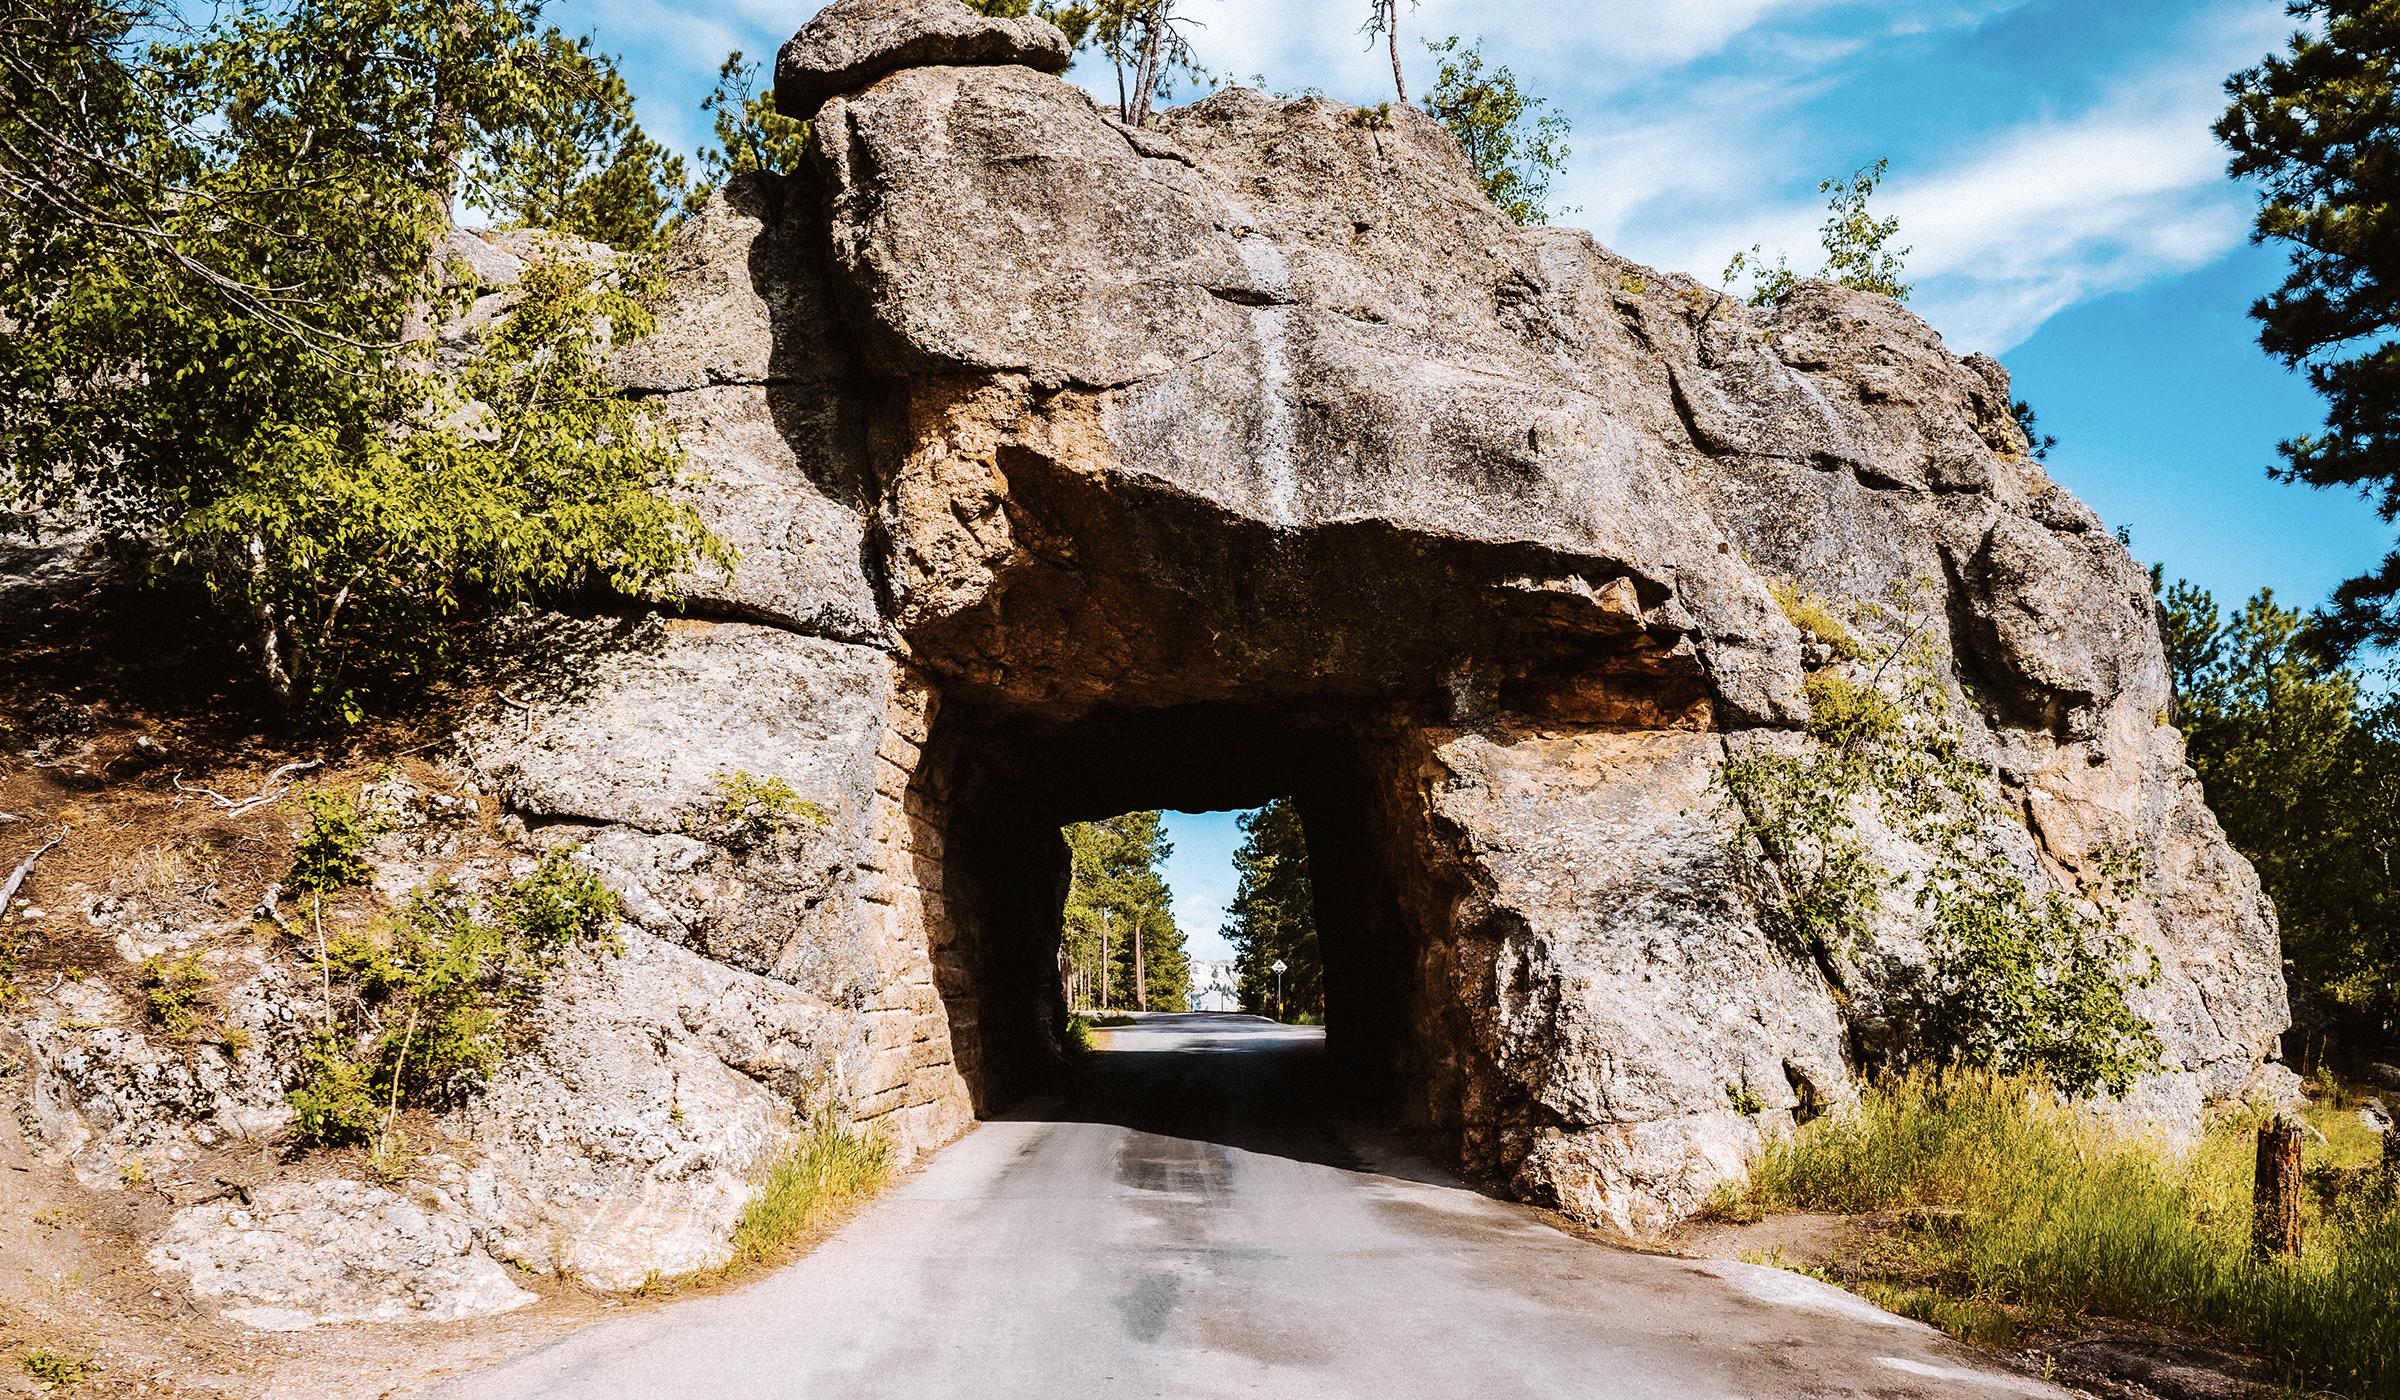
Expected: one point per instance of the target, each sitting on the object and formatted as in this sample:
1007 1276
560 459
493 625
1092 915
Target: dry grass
2035 1212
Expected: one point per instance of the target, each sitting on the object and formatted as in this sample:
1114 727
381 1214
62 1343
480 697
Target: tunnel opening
995 787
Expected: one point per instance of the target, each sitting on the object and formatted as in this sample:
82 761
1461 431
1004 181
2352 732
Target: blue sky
2051 164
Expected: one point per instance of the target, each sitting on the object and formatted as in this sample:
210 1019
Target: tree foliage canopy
1120 917
1515 152
2302 767
2319 128
217 298
1275 914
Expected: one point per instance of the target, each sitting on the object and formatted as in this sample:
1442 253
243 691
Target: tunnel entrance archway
998 786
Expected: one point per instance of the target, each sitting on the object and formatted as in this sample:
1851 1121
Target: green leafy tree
2303 770
1119 933
1274 914
215 311
751 134
1853 238
581 165
2317 127
1515 152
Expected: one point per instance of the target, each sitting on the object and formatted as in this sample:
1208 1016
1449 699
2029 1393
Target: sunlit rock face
1078 468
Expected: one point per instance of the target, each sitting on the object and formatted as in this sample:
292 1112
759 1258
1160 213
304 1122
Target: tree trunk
2275 1227
1154 31
1399 84
1141 979
270 635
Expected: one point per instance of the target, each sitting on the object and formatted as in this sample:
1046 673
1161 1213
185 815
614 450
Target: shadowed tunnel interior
1001 785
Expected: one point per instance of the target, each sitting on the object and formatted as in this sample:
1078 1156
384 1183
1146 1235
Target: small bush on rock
174 989
327 858
2019 977
752 809
431 991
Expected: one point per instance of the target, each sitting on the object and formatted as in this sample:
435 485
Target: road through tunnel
998 786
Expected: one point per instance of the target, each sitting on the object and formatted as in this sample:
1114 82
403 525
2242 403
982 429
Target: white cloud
2005 228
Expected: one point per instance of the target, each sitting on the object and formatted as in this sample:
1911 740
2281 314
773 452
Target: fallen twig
265 795
9 890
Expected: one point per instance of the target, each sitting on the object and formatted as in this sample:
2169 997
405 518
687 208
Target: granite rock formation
1078 468
1081 467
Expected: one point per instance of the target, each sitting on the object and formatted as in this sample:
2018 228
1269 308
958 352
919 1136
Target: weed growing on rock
752 809
1814 617
430 993
828 1166
174 989
1744 1102
2019 977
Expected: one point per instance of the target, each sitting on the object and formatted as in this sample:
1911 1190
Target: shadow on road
1231 1080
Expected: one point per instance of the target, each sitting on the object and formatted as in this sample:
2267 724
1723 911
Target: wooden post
2275 1229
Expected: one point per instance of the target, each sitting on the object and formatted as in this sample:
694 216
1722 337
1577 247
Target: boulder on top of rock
851 43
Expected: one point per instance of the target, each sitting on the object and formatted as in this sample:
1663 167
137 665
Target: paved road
1185 1219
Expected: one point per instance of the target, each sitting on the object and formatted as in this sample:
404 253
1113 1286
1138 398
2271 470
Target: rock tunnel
1253 453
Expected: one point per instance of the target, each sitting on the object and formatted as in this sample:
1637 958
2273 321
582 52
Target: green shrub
2017 978
1744 1102
826 1167
431 994
1112 1021
174 989
1078 1036
327 858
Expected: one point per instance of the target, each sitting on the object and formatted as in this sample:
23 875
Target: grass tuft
2036 1211
1078 1035
829 1166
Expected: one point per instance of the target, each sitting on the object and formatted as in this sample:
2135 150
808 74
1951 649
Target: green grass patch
1078 1035
2038 1212
1112 1021
828 1167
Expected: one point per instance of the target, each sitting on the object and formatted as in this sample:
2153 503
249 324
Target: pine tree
2302 767
581 165
1274 915
1119 927
2317 127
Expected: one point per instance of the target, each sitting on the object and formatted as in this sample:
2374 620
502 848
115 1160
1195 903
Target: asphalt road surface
1186 1218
